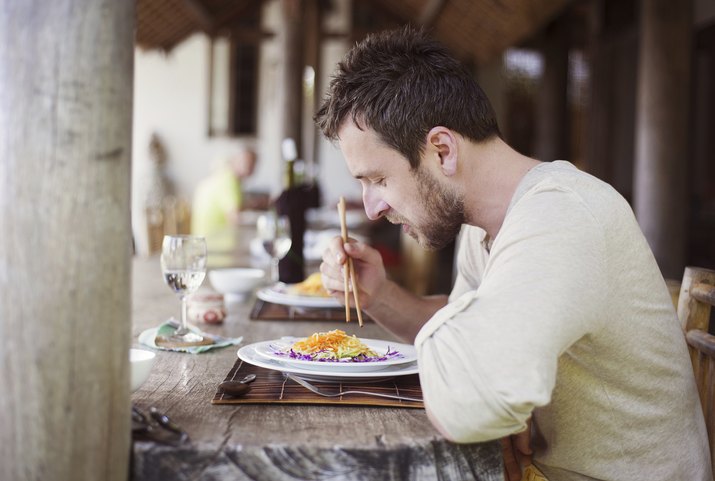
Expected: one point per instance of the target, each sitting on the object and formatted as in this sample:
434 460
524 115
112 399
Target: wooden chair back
172 217
695 302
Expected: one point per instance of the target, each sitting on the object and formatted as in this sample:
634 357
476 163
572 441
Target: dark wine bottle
293 202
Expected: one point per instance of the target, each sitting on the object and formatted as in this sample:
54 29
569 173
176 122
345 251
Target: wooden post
661 159
313 42
597 157
65 244
292 79
552 123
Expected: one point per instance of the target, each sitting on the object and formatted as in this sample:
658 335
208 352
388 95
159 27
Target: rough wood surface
65 248
281 442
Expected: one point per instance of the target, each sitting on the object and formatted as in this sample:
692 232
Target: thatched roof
473 29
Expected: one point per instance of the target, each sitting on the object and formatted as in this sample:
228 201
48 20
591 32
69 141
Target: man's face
428 209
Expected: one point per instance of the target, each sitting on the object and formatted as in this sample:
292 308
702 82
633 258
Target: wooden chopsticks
349 270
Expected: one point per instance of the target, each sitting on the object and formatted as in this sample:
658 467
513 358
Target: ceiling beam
199 13
227 15
388 9
430 12
253 35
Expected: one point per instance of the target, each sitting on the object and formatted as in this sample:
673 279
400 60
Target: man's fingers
363 252
522 442
512 468
332 277
334 252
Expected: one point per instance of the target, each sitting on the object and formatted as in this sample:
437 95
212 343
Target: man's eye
381 181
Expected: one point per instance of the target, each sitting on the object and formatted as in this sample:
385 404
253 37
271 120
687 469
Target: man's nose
375 207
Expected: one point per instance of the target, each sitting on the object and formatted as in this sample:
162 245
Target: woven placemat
271 387
267 311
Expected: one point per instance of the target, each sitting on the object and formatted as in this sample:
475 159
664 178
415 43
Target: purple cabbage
359 358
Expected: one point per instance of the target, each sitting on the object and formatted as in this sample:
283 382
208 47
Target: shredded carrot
335 342
311 286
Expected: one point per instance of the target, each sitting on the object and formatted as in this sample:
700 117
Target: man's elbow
433 419
461 425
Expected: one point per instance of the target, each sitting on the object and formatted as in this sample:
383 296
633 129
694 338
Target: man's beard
444 211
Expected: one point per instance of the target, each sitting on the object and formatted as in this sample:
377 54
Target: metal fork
314 389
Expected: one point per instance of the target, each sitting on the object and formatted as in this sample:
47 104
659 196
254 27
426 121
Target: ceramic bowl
236 280
141 362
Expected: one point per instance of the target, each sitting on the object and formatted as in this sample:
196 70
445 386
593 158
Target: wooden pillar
292 78
552 111
313 42
597 154
65 249
661 160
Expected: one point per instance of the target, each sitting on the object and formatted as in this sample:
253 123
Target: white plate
270 349
278 294
248 354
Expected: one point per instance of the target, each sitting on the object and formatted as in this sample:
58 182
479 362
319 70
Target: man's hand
517 454
369 270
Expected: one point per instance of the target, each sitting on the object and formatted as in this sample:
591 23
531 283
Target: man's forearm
402 312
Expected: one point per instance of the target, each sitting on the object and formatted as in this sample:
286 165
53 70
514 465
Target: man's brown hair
401 84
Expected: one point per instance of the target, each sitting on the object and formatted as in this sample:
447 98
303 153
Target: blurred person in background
218 199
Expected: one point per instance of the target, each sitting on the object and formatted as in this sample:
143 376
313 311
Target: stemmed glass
274 233
183 263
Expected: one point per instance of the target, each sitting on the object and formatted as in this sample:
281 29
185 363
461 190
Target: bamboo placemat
270 387
267 311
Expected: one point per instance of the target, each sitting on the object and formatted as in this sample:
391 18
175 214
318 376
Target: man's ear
442 142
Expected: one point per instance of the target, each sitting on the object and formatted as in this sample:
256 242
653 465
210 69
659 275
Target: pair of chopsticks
349 270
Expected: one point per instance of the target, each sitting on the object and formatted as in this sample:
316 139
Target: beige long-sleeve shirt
567 317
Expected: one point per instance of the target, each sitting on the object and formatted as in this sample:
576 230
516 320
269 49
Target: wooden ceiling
474 29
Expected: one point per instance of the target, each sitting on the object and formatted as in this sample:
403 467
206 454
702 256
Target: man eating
559 326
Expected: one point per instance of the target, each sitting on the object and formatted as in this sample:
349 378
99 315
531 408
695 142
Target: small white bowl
236 280
141 362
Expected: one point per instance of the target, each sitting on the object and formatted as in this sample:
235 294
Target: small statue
159 185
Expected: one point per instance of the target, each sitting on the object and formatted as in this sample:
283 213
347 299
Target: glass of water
274 232
183 263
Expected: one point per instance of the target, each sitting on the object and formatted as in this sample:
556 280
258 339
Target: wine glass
274 233
183 263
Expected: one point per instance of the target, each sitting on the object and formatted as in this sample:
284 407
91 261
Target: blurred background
624 89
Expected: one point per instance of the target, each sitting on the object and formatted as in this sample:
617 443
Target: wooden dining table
278 441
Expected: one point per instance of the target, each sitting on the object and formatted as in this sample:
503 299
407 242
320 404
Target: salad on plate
335 346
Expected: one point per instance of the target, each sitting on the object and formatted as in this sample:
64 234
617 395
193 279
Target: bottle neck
289 174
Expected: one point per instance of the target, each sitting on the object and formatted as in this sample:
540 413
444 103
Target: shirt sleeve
490 357
471 259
